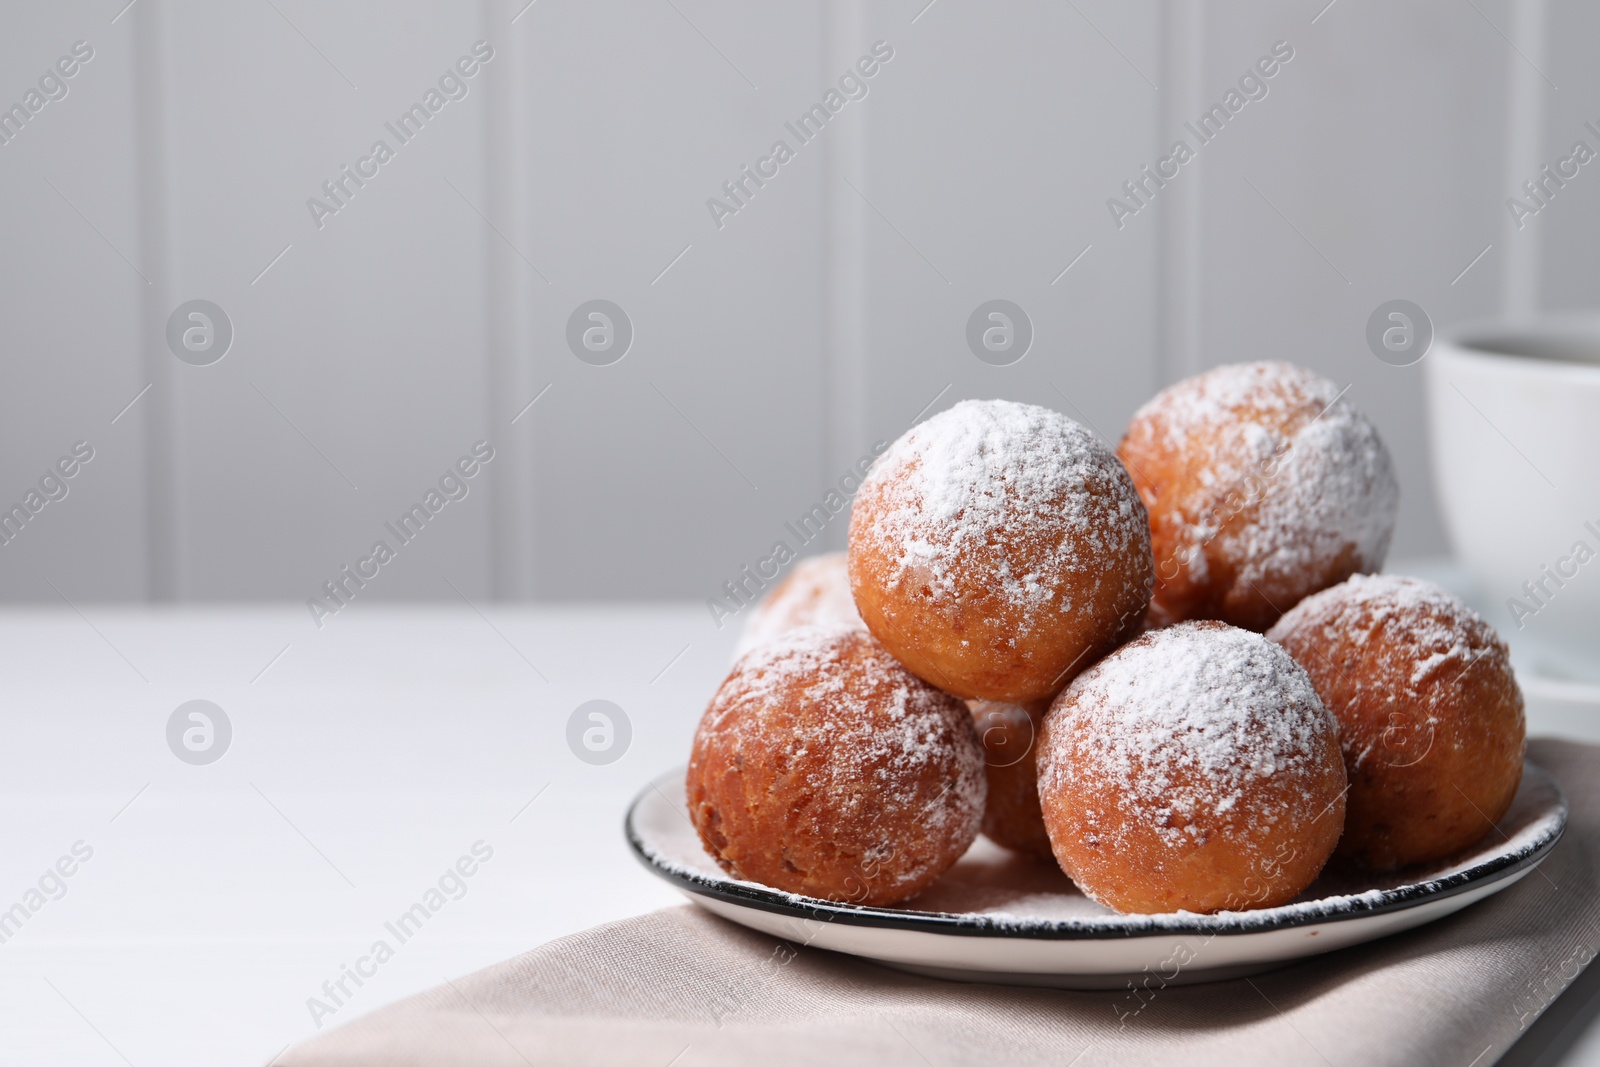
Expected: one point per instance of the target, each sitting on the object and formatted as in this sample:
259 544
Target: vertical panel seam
153 120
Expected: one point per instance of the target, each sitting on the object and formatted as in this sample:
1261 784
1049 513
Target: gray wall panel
769 352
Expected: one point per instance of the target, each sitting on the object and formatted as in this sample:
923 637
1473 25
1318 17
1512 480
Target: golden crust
1263 486
1193 769
1430 717
1012 817
822 767
997 549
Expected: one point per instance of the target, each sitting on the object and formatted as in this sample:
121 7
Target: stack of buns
1166 667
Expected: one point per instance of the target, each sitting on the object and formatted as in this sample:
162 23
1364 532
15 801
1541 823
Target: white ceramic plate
999 917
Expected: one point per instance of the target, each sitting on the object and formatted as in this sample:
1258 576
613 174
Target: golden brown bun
1192 769
1263 486
1010 734
1430 716
998 548
825 768
815 593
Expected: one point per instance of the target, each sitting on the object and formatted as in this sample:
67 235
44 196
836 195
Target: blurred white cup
1514 412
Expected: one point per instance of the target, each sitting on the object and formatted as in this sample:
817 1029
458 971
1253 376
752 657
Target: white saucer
999 917
1561 699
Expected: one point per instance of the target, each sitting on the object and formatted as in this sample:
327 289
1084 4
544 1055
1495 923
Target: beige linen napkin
681 988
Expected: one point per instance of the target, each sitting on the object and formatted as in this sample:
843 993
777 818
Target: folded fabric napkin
679 988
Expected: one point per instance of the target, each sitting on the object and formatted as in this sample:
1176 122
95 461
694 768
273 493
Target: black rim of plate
1494 869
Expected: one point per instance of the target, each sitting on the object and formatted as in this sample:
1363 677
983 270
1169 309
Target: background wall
770 351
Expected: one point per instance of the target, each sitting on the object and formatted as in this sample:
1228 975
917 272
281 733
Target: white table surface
366 760
391 740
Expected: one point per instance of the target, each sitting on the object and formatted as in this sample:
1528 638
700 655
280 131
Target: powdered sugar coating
1431 720
997 548
822 764
1264 484
815 593
1213 706
1433 630
1190 753
993 474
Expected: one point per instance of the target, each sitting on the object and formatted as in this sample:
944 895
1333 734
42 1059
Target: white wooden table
365 761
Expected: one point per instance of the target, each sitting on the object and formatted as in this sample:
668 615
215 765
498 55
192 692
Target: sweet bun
823 767
1263 486
998 548
1430 716
815 593
1192 769
1011 817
